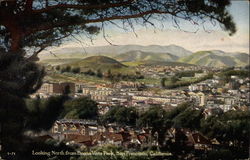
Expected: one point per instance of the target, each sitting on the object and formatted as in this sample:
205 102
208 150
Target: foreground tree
156 119
42 113
231 129
39 24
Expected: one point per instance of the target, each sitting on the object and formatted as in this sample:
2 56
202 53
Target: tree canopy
80 108
36 24
121 115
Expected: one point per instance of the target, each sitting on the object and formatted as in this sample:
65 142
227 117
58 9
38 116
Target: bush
58 68
76 70
80 108
220 154
68 69
89 72
99 73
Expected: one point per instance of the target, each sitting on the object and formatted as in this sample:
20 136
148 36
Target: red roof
197 138
115 137
83 139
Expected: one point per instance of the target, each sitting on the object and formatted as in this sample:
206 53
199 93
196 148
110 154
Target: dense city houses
209 95
87 133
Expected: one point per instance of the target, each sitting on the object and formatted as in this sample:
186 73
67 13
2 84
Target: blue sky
211 38
240 11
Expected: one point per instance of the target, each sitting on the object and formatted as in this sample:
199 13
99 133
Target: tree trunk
16 32
16 38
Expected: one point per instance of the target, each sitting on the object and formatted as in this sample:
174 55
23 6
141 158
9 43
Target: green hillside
102 63
145 56
213 58
216 59
73 55
243 57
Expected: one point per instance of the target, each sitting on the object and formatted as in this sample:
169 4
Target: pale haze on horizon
213 38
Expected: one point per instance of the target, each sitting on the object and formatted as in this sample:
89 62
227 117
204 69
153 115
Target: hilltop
97 62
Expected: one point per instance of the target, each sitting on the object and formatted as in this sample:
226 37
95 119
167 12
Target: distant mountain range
112 51
137 53
132 56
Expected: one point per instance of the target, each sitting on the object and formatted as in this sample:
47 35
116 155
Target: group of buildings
88 134
209 94
216 97
160 71
213 96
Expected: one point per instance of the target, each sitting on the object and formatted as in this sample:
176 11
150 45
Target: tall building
57 88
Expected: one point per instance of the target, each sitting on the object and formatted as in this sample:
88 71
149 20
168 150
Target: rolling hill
98 62
216 59
145 56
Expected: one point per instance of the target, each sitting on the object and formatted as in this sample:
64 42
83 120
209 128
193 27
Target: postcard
124 79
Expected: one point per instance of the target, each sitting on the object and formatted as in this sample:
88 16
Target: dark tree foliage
231 126
37 145
160 120
76 70
80 108
156 119
163 80
226 75
58 68
19 76
232 130
220 154
39 24
175 83
174 79
43 113
121 115
89 72
189 118
15 118
109 75
11 128
66 90
18 79
68 69
176 111
99 73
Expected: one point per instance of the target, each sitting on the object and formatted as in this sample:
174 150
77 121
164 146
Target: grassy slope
208 58
77 78
101 62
